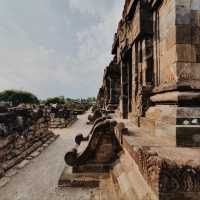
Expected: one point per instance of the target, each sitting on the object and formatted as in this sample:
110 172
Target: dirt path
38 180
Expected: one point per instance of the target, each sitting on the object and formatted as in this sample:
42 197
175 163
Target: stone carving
102 147
79 138
166 176
176 178
97 114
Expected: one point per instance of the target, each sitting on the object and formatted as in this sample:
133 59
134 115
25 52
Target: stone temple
148 136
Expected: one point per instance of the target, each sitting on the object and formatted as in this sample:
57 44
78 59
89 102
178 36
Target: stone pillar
176 97
112 91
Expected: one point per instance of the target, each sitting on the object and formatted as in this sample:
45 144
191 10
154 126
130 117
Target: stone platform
83 180
151 167
103 185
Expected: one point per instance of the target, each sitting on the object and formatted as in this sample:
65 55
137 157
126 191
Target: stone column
176 99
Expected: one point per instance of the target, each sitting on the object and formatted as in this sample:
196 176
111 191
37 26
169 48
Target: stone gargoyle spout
79 138
101 147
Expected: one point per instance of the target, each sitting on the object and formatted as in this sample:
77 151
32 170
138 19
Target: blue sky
56 47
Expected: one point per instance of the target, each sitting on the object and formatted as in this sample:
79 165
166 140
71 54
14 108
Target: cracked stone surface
38 180
35 154
11 172
23 164
4 181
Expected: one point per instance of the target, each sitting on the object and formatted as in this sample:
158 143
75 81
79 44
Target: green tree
56 100
17 97
91 99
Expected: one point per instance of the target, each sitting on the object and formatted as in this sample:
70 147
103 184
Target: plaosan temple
148 134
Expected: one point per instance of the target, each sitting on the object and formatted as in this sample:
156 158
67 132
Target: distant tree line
68 101
91 99
17 97
55 100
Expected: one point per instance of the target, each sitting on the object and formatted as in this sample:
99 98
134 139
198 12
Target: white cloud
92 6
58 50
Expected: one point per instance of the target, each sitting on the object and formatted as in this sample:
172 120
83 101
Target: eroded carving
102 146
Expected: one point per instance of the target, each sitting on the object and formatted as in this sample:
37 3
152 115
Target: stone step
128 180
121 181
83 180
93 168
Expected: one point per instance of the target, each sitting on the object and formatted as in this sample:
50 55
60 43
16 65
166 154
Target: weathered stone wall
19 138
109 93
149 170
157 47
177 43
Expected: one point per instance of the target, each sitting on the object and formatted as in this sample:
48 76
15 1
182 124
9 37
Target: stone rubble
22 131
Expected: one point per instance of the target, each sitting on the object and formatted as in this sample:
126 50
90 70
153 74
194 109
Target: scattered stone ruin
22 131
60 116
150 147
97 113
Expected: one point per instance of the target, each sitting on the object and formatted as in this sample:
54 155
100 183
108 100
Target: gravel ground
38 180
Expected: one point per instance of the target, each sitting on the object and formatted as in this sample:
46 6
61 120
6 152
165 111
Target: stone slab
22 164
45 145
11 172
83 180
95 168
35 154
188 136
4 181
40 149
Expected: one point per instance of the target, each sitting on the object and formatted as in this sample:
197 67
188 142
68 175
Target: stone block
195 39
186 53
197 49
195 18
23 164
2 172
83 180
188 72
187 112
195 4
180 196
168 57
104 153
183 3
183 34
11 173
170 39
183 15
165 130
188 136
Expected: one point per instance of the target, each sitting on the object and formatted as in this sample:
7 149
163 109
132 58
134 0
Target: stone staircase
102 184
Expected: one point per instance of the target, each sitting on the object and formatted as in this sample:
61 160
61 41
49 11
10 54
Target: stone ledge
167 169
83 180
